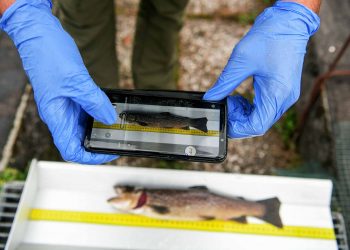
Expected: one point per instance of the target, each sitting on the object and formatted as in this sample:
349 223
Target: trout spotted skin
196 203
164 120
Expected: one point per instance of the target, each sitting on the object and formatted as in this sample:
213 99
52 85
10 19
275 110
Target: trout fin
200 124
241 219
142 123
272 213
202 188
159 209
207 217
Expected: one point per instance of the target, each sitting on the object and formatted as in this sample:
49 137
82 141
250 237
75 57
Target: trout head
127 116
128 198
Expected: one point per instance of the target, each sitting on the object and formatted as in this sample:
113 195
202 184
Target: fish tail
272 212
200 124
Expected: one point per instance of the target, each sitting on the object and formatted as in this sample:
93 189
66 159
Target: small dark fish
164 120
195 203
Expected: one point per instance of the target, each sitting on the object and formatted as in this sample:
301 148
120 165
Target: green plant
247 18
11 174
286 127
268 2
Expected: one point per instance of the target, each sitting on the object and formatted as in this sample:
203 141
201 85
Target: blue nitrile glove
63 88
273 53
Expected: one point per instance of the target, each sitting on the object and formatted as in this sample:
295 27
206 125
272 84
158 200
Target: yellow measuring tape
212 226
133 127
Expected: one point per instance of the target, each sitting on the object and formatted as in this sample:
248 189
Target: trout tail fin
200 124
272 212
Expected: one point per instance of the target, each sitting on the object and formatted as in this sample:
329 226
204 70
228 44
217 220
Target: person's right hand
273 53
63 88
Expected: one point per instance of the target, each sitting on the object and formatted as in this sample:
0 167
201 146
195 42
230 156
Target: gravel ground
205 46
124 39
221 7
201 7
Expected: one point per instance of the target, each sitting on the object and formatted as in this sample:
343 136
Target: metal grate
9 199
11 193
342 157
340 231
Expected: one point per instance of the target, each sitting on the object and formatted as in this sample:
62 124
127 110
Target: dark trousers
155 52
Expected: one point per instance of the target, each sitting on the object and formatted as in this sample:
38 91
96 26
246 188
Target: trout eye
127 189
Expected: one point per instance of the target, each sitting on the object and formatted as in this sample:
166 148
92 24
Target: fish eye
127 189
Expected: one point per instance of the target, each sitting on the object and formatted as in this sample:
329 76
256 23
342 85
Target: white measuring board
66 186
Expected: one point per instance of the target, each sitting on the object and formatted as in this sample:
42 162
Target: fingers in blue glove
92 99
72 149
272 52
246 119
78 154
234 73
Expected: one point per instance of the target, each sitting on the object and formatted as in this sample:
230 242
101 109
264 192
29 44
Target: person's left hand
273 53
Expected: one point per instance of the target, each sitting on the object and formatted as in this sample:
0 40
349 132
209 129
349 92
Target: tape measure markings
133 127
214 226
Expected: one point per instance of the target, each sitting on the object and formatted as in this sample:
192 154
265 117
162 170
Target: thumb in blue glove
273 53
63 88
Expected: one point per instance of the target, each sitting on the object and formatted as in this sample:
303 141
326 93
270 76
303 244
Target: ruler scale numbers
211 226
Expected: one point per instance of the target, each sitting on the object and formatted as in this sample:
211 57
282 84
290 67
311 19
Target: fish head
128 198
127 116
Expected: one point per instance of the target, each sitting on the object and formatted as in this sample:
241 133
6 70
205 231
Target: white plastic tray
65 186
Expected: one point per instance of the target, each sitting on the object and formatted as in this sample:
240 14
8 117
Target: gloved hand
273 53
63 88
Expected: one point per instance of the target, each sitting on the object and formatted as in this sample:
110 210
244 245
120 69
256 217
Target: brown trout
195 203
164 120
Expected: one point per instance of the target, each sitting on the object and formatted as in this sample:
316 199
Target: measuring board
139 128
65 205
211 226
